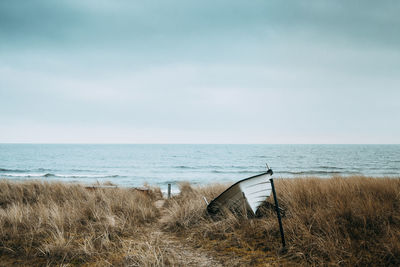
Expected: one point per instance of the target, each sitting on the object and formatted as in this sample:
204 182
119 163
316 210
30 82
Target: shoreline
175 184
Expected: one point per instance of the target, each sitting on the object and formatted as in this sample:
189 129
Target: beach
199 133
353 221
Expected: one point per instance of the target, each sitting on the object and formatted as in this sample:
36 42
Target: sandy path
184 253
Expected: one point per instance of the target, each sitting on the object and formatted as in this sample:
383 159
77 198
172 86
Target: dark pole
278 213
169 191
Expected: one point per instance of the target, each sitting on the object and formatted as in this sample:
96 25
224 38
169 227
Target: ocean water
134 165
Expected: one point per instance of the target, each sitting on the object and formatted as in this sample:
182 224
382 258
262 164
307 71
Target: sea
133 165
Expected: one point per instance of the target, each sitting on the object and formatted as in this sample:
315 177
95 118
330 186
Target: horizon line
82 143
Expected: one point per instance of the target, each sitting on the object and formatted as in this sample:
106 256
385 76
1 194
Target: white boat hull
247 194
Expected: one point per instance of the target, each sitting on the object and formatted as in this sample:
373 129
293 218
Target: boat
244 196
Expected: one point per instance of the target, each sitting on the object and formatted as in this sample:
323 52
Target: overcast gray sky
170 71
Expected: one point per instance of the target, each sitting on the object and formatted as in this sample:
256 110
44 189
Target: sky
181 71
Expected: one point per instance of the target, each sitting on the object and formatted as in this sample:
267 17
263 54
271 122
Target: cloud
204 71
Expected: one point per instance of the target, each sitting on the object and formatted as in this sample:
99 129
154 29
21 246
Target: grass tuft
58 223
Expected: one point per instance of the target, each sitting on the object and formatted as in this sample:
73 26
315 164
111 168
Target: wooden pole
278 213
169 191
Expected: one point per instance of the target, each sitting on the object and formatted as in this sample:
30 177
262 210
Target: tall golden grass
54 223
339 221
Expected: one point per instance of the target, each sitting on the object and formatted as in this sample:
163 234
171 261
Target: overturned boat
244 196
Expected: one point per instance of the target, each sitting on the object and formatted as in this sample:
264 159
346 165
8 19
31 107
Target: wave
12 170
185 167
25 170
233 172
199 167
207 167
23 175
313 172
330 168
87 176
308 172
83 170
262 157
45 175
44 170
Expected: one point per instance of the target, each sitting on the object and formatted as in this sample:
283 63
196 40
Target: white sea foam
39 175
23 174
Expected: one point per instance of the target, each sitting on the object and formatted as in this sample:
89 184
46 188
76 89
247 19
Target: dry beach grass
337 221
55 223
